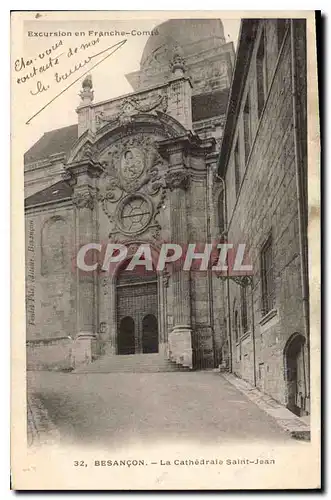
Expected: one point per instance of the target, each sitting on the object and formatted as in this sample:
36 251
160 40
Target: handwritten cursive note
33 70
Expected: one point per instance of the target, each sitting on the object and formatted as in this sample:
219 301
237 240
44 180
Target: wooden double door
137 323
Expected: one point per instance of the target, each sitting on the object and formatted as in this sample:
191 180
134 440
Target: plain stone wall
50 275
197 210
50 355
268 203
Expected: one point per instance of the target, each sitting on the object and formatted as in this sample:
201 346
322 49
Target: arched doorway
126 336
150 337
137 298
294 363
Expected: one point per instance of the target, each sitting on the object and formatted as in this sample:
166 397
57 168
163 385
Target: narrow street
128 407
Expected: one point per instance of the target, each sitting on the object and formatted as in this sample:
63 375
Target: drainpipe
225 234
229 325
253 333
301 205
209 271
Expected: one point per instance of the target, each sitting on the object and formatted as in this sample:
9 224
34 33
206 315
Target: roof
208 105
57 192
60 140
244 52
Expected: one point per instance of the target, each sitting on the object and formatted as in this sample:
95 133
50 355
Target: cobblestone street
119 408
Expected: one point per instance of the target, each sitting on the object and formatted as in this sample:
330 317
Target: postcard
166 251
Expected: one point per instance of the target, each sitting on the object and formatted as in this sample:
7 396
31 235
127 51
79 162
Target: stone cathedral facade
139 168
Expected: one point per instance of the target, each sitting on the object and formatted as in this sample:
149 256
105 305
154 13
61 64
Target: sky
108 78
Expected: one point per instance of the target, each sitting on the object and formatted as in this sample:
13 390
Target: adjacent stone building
263 162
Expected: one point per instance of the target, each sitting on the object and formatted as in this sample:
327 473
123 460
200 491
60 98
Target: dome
185 33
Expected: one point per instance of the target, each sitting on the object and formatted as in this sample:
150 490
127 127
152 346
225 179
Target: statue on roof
87 82
87 93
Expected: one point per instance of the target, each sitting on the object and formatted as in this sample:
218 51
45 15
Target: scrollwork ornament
104 284
156 233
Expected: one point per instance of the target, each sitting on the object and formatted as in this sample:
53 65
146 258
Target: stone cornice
185 143
84 166
46 162
48 206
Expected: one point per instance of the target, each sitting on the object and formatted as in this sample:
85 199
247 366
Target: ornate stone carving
176 179
131 164
165 279
156 233
134 181
84 200
104 284
131 105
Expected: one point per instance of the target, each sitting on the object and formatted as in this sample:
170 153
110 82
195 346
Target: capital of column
177 179
190 143
84 199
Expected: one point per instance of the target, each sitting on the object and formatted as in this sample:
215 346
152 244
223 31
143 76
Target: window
237 168
247 129
261 75
243 297
267 277
281 30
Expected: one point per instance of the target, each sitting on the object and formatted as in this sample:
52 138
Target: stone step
130 363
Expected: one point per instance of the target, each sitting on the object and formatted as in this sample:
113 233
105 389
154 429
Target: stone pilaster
178 152
180 338
179 103
85 174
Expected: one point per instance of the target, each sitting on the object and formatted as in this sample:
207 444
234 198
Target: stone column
85 173
180 338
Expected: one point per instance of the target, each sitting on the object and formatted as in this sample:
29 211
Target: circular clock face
134 214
